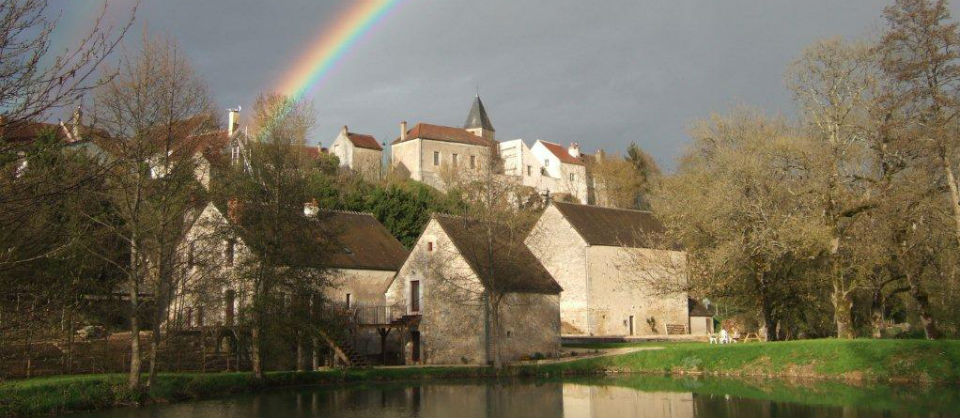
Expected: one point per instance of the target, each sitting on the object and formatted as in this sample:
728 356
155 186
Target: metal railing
370 315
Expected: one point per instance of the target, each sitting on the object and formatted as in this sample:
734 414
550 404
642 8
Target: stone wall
563 253
620 287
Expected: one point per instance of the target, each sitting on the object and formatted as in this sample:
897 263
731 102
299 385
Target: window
228 251
430 246
473 161
529 170
191 254
348 300
455 159
546 162
415 296
436 158
572 177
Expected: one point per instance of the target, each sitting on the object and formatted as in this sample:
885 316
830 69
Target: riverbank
854 360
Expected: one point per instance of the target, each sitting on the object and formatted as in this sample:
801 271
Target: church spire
477 120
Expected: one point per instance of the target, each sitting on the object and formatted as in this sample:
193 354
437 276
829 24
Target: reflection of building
446 281
601 258
615 401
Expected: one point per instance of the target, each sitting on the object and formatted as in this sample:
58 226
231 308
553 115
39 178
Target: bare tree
271 189
155 112
34 81
920 52
741 206
833 81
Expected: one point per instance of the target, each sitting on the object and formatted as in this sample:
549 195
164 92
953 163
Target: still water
632 396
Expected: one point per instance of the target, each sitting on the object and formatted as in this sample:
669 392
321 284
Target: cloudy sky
602 73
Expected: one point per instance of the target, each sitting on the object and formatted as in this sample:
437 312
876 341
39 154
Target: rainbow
329 47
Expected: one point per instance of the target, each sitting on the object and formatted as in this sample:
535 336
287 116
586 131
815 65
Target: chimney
77 120
311 208
403 130
233 209
343 130
233 120
574 150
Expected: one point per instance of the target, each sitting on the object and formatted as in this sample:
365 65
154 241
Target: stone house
610 272
358 152
436 155
353 255
445 283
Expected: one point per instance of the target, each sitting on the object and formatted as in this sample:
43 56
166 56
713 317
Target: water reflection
636 396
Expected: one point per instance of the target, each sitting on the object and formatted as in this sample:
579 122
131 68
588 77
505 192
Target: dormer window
347 250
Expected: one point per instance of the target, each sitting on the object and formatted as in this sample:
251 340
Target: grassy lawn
860 360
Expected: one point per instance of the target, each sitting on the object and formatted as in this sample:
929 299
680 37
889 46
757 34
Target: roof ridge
604 207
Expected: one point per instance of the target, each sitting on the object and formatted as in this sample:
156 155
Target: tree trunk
923 306
876 313
842 308
766 310
315 351
154 352
256 360
301 354
954 192
133 381
494 334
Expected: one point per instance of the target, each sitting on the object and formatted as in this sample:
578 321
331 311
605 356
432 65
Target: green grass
862 359
856 360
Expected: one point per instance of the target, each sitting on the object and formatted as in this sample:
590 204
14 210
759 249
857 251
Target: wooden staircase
344 351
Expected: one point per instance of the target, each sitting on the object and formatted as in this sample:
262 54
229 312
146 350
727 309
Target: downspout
586 293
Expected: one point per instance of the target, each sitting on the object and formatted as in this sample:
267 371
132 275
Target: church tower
477 121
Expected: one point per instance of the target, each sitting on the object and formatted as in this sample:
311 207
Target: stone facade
359 153
604 291
454 318
437 163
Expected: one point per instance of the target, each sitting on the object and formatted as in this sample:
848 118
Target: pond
622 396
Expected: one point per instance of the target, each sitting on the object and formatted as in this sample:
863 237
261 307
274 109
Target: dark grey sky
603 73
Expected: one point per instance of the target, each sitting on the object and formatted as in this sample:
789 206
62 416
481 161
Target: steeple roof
478 117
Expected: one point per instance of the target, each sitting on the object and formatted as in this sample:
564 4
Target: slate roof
477 118
360 242
514 267
611 227
364 141
562 153
446 134
331 239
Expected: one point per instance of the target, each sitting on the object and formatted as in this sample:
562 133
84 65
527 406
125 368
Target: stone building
610 272
438 155
354 257
358 152
445 282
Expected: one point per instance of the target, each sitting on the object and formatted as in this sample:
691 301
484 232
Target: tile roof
364 141
514 267
444 133
561 152
612 227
